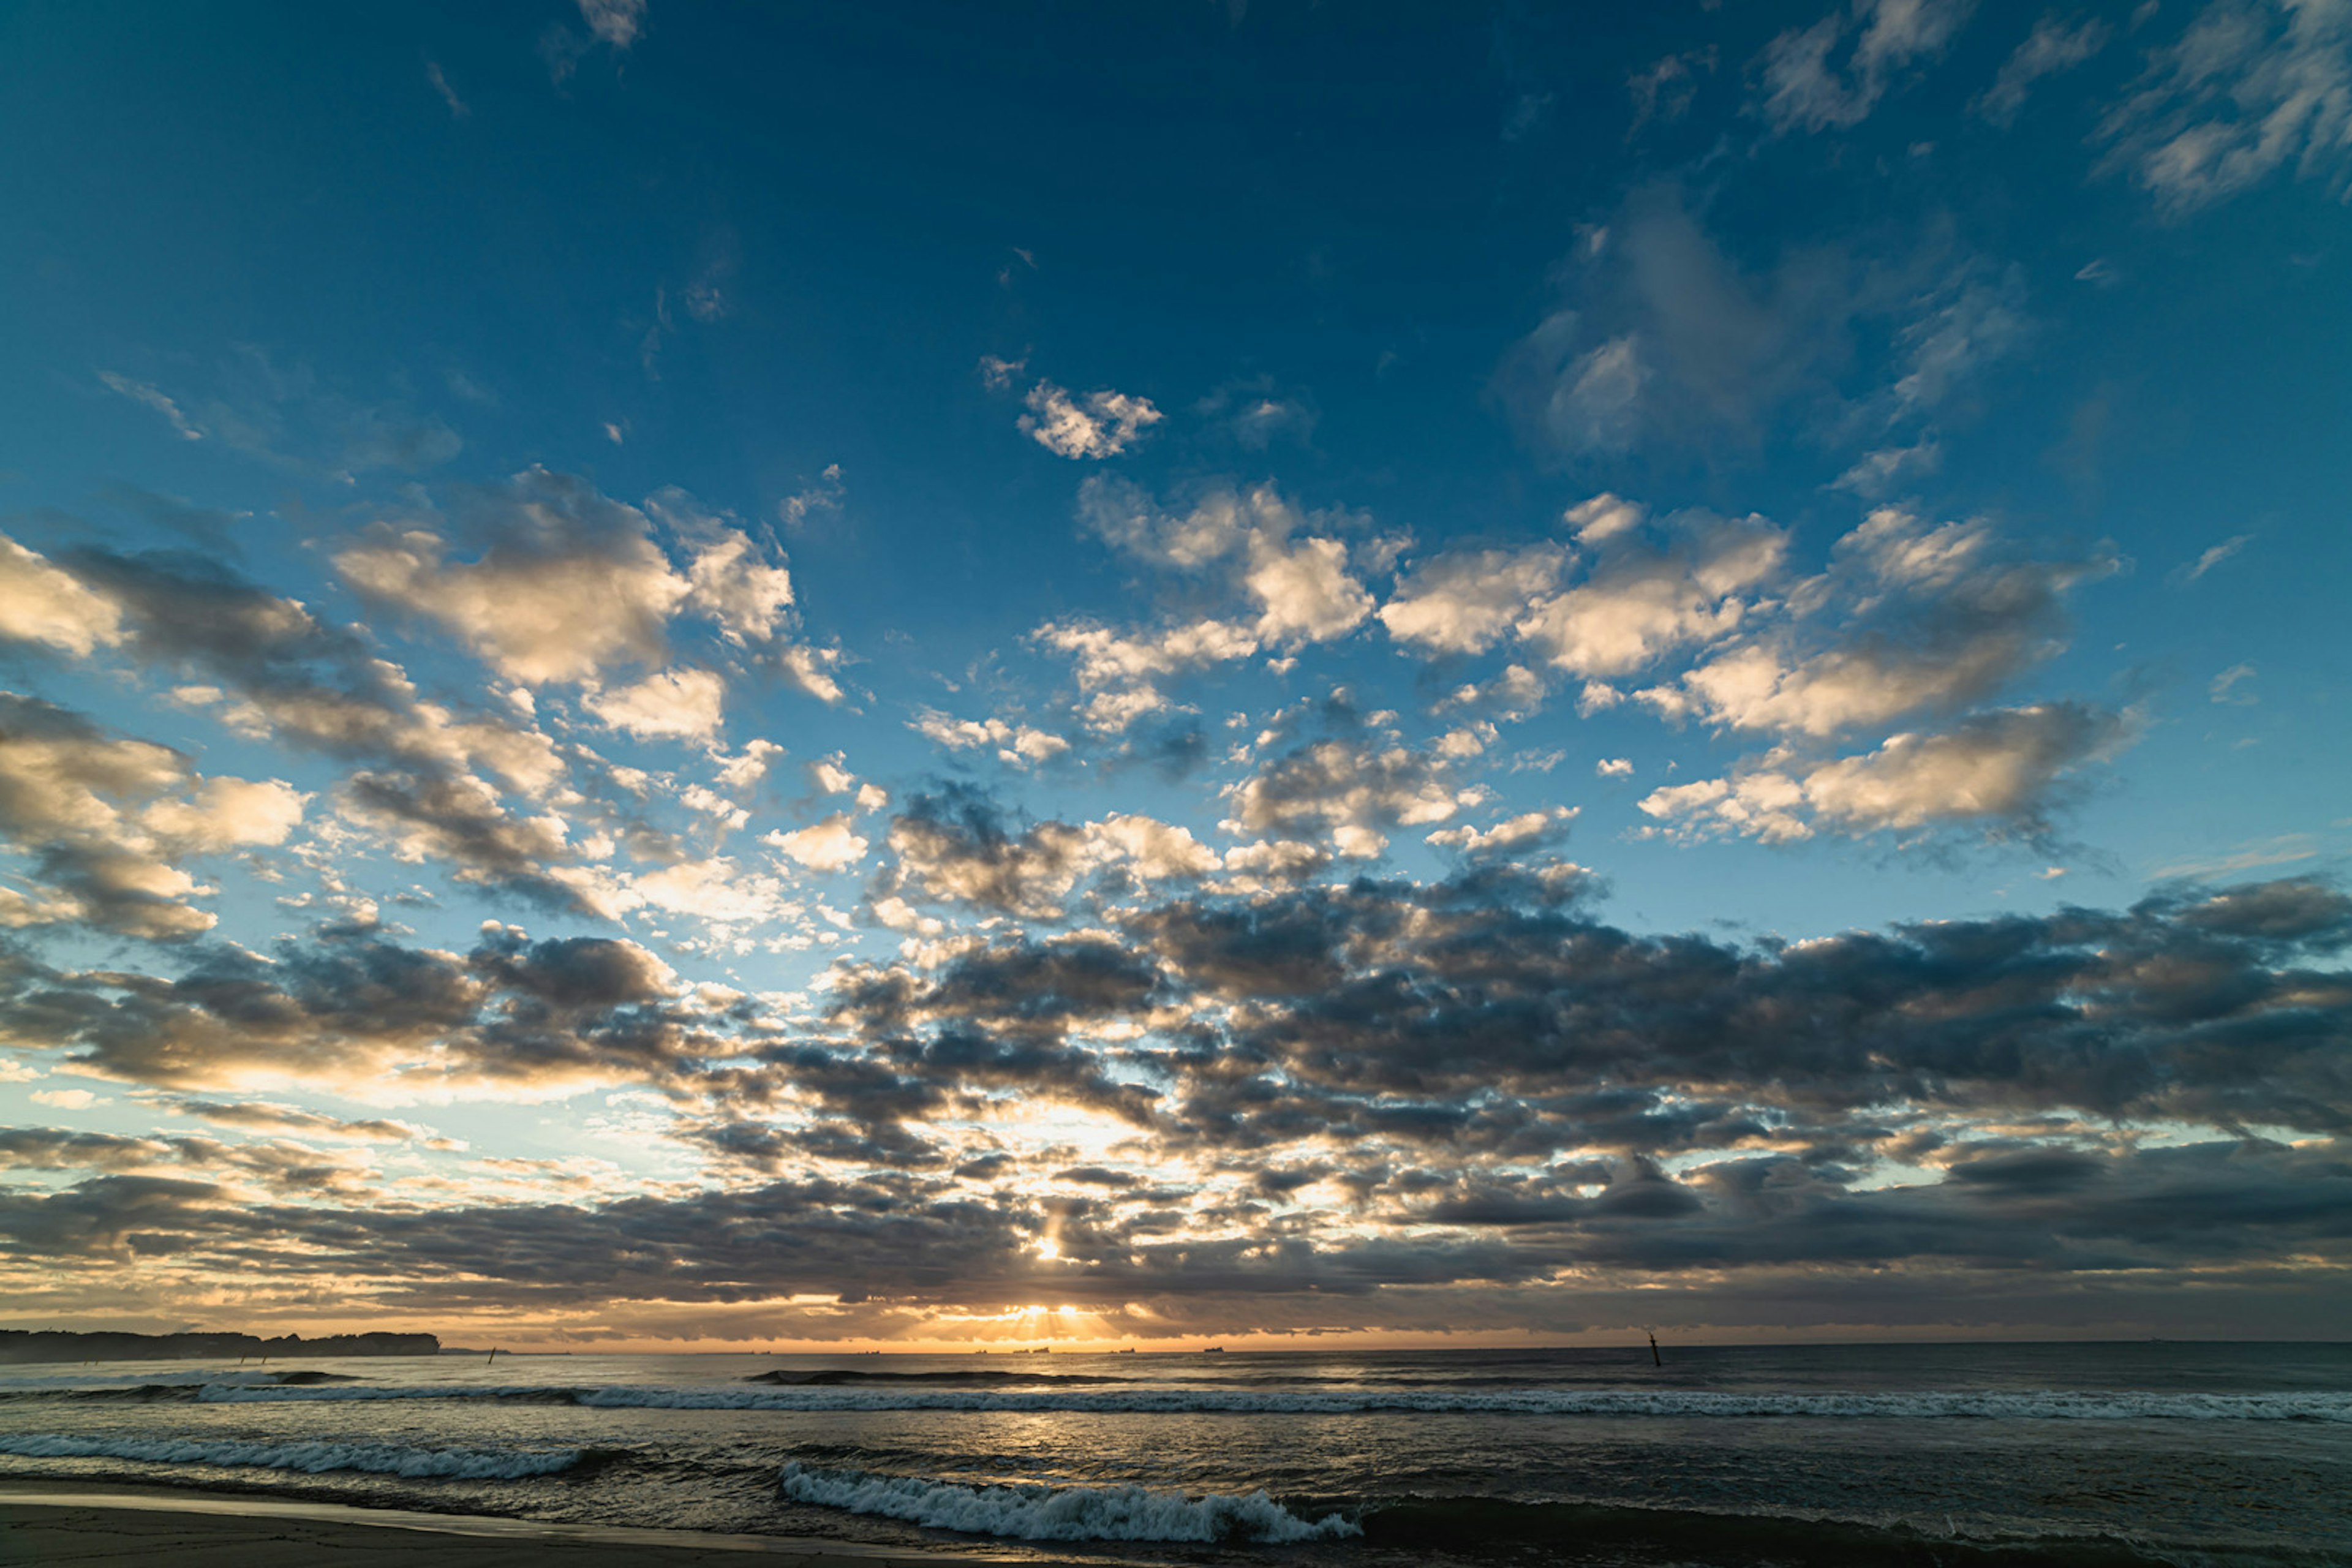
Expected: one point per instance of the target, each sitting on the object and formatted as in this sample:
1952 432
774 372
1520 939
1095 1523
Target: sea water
2089 1453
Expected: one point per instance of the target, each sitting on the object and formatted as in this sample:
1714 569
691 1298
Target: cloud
1103 425
1524 831
2053 47
1663 340
673 704
1252 545
40 604
2250 87
1465 601
832 845
1018 744
153 397
1877 473
614 22
1663 92
1996 770
349 1011
282 674
2213 556
2223 688
825 495
457 109
286 416
109 823
955 845
1805 90
1354 790
568 583
1915 616
267 1117
1446 1098
1664 336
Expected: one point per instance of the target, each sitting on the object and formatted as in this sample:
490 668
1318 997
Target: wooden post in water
1655 1359
494 1357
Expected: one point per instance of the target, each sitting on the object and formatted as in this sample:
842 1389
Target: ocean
2059 1454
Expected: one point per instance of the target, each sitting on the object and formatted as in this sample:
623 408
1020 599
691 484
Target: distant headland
17 1345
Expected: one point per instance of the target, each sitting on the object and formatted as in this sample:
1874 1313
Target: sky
682 675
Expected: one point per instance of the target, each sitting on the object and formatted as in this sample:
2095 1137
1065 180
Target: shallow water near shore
2062 1454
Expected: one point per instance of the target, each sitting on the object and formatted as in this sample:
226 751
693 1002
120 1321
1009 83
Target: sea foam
1030 1512
310 1458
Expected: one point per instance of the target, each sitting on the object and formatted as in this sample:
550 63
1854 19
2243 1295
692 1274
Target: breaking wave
1673 1403
1030 1512
310 1458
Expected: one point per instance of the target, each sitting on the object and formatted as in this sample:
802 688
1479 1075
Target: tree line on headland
58 1344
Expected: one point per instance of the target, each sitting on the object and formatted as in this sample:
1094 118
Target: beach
64 1524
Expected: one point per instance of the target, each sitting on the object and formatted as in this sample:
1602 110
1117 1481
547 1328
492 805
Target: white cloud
617 22
142 393
811 669
749 597
1019 744
1996 769
1931 616
1302 589
2250 87
40 604
1639 605
1103 425
432 73
1602 518
1515 832
112 819
1803 89
1975 324
832 845
570 584
741 775
1118 672
65 1098
1877 473
2224 686
1615 768
2213 556
225 812
1154 850
1353 791
680 704
1463 601
2053 47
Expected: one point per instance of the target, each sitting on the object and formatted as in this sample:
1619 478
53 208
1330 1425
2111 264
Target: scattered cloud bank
1468 1082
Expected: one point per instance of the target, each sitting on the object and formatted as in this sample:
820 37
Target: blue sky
559 559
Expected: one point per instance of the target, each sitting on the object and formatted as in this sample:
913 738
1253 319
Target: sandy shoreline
61 1523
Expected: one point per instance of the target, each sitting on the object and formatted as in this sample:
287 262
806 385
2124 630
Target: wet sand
62 1525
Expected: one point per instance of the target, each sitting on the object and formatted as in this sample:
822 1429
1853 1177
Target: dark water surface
2115 1454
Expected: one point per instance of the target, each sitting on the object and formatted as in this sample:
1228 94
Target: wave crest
310 1458
1029 1512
